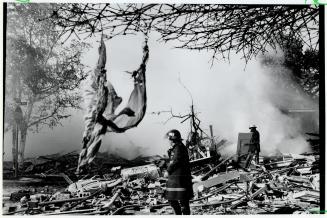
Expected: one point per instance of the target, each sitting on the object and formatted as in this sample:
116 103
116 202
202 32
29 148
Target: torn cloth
101 102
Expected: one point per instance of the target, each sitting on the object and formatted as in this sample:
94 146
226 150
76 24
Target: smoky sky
230 95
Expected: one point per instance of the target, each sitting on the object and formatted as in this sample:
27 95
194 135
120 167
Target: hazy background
230 96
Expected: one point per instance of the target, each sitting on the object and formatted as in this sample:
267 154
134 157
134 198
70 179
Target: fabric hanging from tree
101 102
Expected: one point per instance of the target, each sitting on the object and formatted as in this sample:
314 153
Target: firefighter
255 142
179 189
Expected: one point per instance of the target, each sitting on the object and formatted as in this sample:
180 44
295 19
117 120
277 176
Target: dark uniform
254 147
255 142
179 185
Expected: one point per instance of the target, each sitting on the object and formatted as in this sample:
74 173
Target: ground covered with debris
278 184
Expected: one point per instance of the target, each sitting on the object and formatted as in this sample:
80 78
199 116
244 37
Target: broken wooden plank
213 169
280 164
66 177
299 179
219 179
219 202
200 161
307 194
258 192
112 199
72 212
61 201
16 211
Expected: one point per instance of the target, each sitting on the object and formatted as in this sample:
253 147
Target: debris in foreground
138 187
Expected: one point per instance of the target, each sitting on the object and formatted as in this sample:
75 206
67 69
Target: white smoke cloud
230 96
255 96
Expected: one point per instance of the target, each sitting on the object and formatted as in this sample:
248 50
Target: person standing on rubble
255 142
179 189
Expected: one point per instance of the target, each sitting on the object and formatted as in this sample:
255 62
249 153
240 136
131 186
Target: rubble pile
59 167
287 184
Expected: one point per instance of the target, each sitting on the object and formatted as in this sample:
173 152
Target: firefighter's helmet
174 135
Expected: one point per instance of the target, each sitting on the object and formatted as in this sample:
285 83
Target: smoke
230 96
258 95
122 146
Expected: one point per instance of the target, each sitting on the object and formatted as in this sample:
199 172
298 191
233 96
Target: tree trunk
15 148
22 143
23 130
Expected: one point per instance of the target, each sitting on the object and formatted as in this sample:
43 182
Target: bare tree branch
246 29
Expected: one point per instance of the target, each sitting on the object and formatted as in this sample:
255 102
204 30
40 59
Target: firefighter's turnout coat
179 184
255 140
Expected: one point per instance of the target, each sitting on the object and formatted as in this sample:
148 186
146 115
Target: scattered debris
137 187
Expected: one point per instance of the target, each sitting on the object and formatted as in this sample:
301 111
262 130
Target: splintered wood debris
137 187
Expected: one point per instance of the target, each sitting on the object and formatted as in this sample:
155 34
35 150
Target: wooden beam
219 179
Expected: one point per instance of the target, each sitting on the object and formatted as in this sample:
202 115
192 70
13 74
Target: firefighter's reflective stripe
176 189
